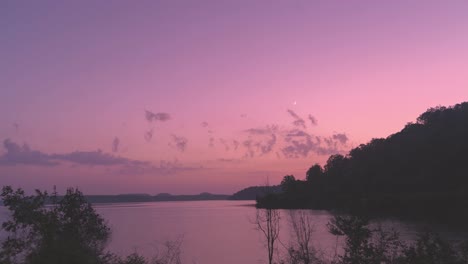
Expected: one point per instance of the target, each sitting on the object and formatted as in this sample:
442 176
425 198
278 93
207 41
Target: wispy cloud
267 130
150 116
261 140
204 124
16 154
179 142
291 143
265 147
149 135
298 121
299 144
248 144
115 144
24 155
235 144
341 137
97 157
312 119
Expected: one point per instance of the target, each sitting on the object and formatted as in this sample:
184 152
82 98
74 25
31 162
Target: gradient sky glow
213 95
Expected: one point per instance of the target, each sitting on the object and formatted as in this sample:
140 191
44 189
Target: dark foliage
69 231
51 229
254 192
366 245
420 171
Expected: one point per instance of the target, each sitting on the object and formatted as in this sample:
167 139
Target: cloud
267 130
298 121
235 143
300 144
150 116
149 135
341 137
296 133
16 154
261 140
248 144
291 143
115 144
312 119
265 147
211 142
243 115
97 157
179 142
204 124
23 155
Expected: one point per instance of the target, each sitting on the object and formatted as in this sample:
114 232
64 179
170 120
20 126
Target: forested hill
254 192
421 168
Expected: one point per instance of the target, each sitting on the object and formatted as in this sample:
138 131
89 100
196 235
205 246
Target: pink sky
76 76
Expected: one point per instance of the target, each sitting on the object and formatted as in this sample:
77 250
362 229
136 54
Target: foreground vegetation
364 243
70 231
66 231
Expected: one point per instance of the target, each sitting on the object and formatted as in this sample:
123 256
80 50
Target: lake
213 232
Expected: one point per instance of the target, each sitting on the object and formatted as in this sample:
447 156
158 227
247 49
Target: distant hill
251 193
421 169
130 198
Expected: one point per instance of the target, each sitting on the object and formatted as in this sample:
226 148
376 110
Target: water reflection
216 231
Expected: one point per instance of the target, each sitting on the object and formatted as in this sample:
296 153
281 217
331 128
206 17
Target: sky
213 96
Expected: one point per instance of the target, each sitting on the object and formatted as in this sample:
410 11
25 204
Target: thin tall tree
267 221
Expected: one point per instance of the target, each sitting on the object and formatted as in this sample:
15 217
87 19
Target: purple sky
192 96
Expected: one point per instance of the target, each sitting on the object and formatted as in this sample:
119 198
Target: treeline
163 197
254 192
420 171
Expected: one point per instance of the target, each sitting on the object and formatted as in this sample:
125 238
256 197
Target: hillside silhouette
162 197
420 171
254 192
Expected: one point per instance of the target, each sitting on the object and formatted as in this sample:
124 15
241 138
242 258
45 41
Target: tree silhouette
267 221
419 171
70 231
314 173
301 250
288 183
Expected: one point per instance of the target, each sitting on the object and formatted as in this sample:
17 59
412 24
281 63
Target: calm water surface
213 232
